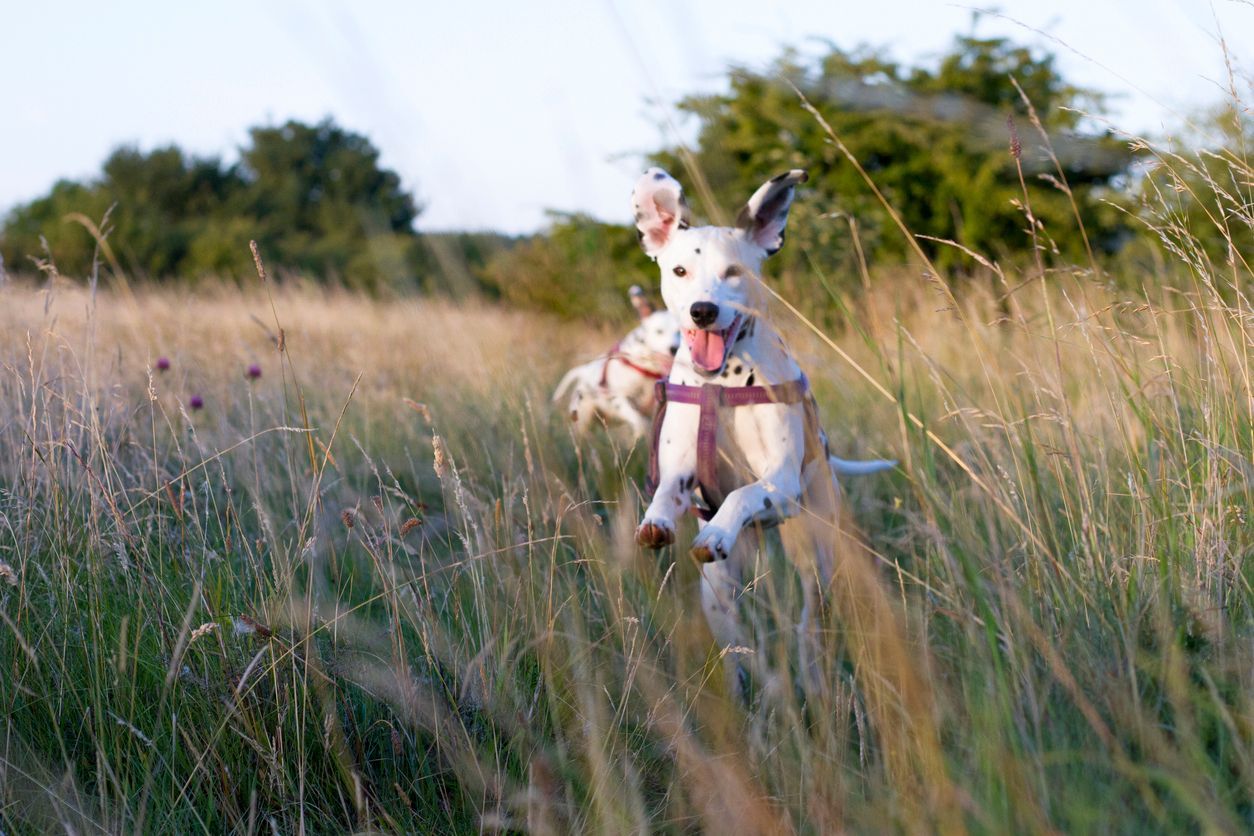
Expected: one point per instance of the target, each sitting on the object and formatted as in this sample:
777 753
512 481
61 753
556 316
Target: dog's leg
620 407
721 587
583 410
677 466
770 499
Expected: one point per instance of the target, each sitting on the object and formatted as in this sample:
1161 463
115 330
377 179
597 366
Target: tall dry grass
379 588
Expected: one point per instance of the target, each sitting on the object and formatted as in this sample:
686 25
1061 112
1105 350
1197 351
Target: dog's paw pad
653 535
711 544
702 554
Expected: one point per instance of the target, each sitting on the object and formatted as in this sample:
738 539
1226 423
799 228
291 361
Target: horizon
483 152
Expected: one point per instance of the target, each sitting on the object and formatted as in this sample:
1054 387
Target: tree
933 140
322 203
155 204
579 268
314 196
43 227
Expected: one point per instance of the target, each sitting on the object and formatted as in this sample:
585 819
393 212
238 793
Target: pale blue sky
493 112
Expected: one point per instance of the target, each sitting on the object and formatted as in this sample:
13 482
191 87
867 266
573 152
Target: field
378 587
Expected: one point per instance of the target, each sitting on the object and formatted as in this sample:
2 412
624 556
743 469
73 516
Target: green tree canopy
314 196
935 141
579 268
321 202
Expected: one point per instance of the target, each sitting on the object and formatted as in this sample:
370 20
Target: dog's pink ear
763 218
660 209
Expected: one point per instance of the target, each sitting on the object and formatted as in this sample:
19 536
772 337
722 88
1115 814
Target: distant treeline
986 152
313 196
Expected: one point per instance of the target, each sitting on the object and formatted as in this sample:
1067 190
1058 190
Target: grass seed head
203 630
440 462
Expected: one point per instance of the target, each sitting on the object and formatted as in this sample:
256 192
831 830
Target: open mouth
709 348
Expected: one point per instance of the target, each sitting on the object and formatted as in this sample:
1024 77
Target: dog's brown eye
733 271
679 271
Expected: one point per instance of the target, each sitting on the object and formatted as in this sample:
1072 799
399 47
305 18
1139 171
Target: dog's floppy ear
762 219
660 209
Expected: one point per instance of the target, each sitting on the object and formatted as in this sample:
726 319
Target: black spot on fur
766 502
657 175
697 250
749 380
739 368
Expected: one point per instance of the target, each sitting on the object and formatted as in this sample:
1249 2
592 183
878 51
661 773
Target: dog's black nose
703 313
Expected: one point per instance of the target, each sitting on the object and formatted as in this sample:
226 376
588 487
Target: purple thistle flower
163 364
196 402
254 371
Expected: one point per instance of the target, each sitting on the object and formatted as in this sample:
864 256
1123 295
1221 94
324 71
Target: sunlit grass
378 587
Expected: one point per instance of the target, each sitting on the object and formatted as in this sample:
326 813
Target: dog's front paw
713 543
654 534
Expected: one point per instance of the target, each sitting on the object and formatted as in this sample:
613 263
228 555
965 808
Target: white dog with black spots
771 461
618 386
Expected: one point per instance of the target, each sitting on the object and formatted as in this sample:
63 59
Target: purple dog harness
709 398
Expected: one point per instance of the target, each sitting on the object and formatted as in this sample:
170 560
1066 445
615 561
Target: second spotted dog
619 385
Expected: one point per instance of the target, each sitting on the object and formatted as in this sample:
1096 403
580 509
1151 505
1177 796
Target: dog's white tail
566 383
848 467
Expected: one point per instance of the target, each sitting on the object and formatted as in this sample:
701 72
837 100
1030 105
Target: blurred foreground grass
379 588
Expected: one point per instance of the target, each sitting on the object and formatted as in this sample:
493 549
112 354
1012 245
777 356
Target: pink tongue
707 349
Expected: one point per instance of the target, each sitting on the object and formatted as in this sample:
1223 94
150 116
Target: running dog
619 385
737 424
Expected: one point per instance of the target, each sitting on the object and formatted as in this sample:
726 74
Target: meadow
373 584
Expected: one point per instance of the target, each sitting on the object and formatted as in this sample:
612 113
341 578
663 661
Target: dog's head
659 331
657 336
710 274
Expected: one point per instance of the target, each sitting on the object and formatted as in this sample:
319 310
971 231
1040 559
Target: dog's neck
757 358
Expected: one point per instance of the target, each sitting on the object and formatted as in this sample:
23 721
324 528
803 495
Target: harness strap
622 358
708 398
